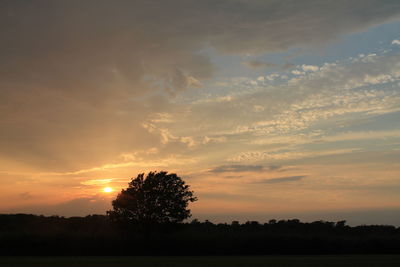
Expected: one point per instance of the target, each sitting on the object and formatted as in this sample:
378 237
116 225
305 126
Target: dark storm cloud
78 78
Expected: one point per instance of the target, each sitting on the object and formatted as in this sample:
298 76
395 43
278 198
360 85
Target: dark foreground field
250 261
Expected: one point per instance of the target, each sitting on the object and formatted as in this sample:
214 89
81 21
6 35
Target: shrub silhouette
159 198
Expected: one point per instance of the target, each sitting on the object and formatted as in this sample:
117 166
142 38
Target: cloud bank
93 92
81 77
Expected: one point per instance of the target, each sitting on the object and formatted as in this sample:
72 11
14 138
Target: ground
248 261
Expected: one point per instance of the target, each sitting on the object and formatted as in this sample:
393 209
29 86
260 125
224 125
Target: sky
266 108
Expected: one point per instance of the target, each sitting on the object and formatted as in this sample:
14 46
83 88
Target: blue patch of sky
227 66
375 143
374 40
358 123
389 121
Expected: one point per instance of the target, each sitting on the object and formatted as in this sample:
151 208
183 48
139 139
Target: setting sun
107 190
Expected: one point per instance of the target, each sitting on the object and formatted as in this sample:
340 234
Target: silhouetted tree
158 198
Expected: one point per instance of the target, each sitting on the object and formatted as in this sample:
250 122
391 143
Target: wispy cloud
97 182
282 179
244 168
254 156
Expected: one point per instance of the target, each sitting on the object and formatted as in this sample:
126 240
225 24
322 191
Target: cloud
284 154
259 64
75 207
233 176
258 108
273 76
76 87
208 140
336 89
283 179
95 89
274 167
238 168
396 42
288 65
298 72
96 182
309 67
244 168
179 81
267 121
227 196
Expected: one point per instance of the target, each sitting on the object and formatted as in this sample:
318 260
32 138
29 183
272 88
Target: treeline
23 234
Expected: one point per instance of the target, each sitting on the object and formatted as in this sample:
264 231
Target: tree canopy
157 198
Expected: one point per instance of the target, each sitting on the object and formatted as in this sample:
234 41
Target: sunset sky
268 109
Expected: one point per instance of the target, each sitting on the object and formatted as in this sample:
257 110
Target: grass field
250 261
